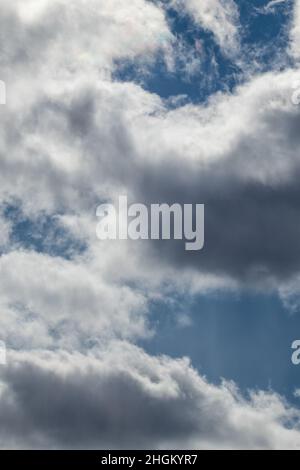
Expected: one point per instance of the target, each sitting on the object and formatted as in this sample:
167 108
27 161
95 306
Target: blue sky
263 40
246 338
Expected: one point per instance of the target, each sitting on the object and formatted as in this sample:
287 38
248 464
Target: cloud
123 398
5 230
82 140
73 136
273 3
218 16
69 302
82 36
271 6
229 155
232 146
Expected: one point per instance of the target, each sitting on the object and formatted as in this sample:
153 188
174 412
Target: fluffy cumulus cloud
82 35
64 296
71 136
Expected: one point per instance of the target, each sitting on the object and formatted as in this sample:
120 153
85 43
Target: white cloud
295 32
69 300
83 35
79 141
274 3
271 6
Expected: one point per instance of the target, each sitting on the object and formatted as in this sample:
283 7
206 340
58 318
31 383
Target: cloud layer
72 135
122 398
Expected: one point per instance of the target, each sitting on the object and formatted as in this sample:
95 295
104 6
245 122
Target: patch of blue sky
202 68
244 337
43 234
264 31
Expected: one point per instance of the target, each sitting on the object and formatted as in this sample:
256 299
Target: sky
123 344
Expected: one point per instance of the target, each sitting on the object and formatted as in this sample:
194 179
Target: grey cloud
126 399
251 195
251 230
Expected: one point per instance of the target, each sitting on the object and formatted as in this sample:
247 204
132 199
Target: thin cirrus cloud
217 16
